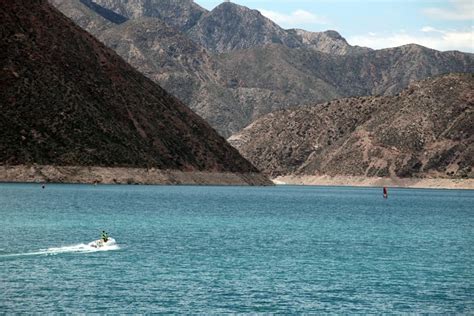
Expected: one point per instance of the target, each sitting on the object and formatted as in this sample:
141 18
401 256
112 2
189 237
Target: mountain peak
330 42
234 7
232 27
334 35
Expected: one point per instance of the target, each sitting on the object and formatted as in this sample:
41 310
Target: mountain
330 42
171 59
425 131
232 27
104 12
84 15
180 14
276 77
227 27
68 100
378 72
162 54
232 89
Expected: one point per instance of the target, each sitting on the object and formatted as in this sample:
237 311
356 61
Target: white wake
93 246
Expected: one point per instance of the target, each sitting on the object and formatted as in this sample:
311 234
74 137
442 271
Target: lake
193 249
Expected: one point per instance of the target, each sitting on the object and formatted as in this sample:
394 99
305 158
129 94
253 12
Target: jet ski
100 243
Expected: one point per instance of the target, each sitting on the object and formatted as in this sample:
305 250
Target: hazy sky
439 24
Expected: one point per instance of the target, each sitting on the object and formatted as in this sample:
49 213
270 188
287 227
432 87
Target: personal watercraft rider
104 236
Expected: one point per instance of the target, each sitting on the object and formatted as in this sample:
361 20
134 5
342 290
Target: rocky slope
180 14
232 89
294 77
68 100
232 27
330 42
163 55
385 71
227 27
84 16
425 131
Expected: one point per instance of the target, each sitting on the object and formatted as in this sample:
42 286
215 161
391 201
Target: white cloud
428 29
294 19
461 10
429 37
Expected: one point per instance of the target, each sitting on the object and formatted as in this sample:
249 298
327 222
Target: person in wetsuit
104 236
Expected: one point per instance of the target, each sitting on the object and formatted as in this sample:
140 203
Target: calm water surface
236 249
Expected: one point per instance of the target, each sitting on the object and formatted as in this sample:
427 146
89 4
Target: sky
439 24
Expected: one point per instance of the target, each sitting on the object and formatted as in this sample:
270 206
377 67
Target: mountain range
315 104
426 131
232 65
68 100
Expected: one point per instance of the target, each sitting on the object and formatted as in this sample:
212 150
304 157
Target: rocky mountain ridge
330 42
230 27
227 27
180 14
233 88
426 131
83 15
68 100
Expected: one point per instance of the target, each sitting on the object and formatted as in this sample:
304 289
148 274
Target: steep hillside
181 14
330 42
425 131
68 100
83 15
169 58
232 27
378 72
228 27
232 89
162 54
276 77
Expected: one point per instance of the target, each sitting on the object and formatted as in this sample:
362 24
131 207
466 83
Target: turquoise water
235 249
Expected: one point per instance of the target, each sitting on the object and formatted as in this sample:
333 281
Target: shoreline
124 175
426 183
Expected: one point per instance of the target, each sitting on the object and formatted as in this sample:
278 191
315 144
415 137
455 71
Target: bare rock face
86 18
425 131
181 14
380 72
68 100
330 42
232 27
163 55
280 77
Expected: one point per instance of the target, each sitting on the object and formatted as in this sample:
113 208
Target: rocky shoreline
105 175
436 183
